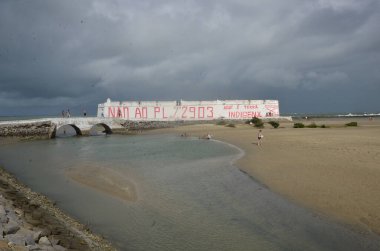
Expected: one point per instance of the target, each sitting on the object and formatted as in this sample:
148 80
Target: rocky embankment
30 221
44 129
144 125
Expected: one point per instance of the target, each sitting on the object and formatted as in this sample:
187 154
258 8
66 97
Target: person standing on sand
260 136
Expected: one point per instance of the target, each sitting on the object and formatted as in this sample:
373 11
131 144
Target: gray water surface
190 196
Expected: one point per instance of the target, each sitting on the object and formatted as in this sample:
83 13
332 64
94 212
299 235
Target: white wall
189 110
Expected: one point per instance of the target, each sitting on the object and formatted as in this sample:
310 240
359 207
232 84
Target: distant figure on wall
84 113
68 113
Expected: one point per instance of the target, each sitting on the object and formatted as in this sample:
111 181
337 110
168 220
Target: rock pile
20 235
143 125
43 129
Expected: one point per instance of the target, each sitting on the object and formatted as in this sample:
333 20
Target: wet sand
334 171
105 180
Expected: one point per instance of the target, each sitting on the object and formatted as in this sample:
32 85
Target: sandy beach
334 171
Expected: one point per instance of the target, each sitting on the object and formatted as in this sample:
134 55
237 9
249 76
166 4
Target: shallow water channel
189 196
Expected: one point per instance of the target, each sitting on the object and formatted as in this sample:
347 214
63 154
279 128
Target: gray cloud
317 56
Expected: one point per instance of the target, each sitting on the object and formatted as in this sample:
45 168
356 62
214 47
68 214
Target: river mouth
163 192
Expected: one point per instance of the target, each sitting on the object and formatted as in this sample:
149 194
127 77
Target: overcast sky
313 56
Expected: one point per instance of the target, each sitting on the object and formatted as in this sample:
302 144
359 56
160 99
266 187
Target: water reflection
100 129
71 130
65 131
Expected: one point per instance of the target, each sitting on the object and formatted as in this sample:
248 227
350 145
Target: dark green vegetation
312 125
275 124
298 125
256 122
352 124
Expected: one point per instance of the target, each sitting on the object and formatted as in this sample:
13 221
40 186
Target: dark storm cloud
311 55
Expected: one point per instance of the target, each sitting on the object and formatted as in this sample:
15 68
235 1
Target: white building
189 110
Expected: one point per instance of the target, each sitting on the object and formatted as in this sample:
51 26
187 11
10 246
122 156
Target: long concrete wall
189 110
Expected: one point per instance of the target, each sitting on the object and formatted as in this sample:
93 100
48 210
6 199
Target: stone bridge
49 126
81 124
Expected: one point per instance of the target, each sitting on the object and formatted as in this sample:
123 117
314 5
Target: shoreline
36 222
38 215
332 171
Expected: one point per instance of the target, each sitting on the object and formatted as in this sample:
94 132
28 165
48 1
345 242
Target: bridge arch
67 129
100 128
